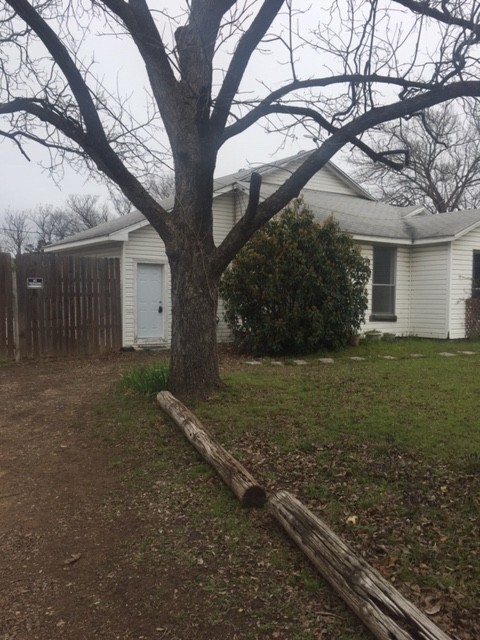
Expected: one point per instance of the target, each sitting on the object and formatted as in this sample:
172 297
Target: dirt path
65 523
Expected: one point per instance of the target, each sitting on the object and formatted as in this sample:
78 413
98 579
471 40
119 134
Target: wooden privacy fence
54 305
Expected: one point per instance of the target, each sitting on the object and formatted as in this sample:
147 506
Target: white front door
150 302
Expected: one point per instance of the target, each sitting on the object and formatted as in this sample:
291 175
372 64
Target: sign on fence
60 305
34 283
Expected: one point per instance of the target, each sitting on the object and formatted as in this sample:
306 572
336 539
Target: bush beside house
296 287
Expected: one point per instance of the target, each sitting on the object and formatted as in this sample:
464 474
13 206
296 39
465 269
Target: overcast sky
25 185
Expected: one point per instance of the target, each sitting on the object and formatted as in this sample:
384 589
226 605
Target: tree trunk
387 614
194 356
235 476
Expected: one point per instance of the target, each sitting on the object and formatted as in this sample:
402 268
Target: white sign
34 283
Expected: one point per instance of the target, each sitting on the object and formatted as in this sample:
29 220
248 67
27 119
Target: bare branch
240 59
264 107
443 145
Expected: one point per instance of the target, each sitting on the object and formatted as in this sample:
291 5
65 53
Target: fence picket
7 343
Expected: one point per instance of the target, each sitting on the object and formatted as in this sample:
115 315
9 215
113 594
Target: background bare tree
22 231
80 211
160 186
49 224
85 211
441 148
15 232
331 74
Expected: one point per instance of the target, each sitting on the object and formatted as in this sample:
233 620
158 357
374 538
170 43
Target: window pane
383 299
383 260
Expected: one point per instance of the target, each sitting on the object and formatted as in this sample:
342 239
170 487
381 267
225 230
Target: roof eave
80 243
470 227
439 240
381 239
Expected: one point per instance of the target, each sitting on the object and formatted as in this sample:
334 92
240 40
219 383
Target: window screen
383 285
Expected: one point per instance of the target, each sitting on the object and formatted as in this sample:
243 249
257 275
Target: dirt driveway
63 524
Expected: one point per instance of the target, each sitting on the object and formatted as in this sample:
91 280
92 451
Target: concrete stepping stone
253 362
417 355
299 362
326 360
277 363
388 357
468 353
447 354
357 358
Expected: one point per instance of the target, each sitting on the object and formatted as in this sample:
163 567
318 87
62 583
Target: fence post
16 331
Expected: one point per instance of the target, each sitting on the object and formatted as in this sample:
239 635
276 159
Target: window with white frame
383 283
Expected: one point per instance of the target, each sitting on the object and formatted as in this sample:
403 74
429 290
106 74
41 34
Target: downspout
122 291
235 191
410 289
449 292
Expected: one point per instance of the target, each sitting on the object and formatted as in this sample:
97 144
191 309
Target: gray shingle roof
362 217
443 224
359 216
104 229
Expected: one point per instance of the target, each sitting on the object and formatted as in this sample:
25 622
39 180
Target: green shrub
147 380
296 287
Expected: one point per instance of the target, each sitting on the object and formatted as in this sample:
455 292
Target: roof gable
334 179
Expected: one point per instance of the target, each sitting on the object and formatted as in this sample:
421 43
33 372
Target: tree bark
382 609
243 485
194 370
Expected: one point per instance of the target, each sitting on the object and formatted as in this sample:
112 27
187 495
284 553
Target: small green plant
147 380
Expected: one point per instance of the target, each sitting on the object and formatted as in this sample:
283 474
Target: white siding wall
223 216
402 294
223 221
429 291
461 280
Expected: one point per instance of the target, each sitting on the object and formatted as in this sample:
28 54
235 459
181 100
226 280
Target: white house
424 266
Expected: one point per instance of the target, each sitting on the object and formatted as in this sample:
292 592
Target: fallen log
382 609
240 481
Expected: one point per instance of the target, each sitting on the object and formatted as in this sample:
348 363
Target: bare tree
85 212
441 150
160 186
16 232
364 63
50 224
